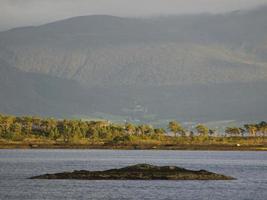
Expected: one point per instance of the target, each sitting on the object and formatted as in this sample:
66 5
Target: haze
15 13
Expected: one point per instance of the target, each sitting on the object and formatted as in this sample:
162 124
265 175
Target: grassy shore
147 146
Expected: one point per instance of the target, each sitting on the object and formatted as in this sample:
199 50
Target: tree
5 126
202 130
15 131
262 127
130 128
67 131
233 131
176 128
83 128
92 133
212 132
158 133
251 129
146 129
27 127
54 133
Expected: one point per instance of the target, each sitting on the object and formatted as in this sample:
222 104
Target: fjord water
250 169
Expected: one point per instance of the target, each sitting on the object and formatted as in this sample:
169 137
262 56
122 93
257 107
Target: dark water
250 169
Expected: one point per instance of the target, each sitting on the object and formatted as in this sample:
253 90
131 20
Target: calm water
250 169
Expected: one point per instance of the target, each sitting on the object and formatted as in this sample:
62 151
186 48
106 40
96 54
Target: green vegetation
176 127
35 130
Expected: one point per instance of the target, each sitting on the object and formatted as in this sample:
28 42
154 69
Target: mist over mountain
190 67
37 94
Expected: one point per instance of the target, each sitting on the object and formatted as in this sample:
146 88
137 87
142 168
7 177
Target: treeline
74 131
17 128
249 130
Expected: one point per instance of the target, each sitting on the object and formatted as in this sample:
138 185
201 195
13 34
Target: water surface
250 169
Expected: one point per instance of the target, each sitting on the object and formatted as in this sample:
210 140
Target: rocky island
138 172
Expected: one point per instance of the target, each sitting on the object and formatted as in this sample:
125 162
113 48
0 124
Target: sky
16 13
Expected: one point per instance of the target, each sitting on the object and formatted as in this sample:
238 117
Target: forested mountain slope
36 94
180 63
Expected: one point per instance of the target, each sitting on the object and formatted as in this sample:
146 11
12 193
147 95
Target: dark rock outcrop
138 172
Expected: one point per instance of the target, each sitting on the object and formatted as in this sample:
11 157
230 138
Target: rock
138 172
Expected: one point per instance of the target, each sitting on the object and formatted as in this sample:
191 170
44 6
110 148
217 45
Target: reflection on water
250 169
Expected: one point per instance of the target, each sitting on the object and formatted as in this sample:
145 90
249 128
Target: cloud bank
14 13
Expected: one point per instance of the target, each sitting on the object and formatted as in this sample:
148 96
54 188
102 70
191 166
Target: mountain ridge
119 63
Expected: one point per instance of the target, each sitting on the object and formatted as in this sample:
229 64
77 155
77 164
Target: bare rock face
139 172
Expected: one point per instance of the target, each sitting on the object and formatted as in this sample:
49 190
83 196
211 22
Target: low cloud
14 13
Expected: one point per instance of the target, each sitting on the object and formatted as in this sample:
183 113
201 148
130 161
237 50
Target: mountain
37 94
191 67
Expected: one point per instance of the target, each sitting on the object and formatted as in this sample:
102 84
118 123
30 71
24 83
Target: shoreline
190 147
